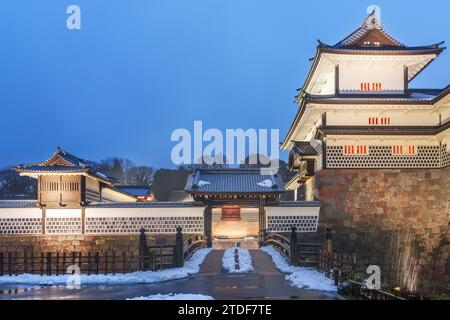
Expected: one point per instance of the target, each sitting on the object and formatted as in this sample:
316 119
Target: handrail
192 240
386 294
191 244
277 236
280 246
280 242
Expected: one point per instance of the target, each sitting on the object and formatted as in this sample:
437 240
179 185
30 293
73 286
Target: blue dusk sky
139 69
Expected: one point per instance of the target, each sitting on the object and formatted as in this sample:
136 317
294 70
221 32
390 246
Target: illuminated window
379 121
370 86
350 149
402 150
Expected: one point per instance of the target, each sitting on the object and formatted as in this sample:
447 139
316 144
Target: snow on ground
245 261
177 296
300 277
191 266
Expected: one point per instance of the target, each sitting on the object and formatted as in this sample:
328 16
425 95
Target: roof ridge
387 34
131 186
66 153
73 163
231 169
360 32
359 29
18 200
163 204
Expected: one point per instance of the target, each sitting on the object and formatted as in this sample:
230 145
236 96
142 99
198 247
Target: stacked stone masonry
395 218
75 243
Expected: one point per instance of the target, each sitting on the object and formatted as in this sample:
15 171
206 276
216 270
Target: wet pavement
265 283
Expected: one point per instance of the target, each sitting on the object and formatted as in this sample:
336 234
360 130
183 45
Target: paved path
265 283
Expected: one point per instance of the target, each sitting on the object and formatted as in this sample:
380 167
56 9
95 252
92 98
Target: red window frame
404 150
381 120
357 150
371 86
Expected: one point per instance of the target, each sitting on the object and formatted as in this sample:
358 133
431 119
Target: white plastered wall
281 219
20 213
389 73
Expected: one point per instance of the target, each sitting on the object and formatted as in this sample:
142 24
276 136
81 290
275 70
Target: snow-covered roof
137 191
234 181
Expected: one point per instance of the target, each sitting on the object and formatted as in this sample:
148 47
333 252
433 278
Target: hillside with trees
165 182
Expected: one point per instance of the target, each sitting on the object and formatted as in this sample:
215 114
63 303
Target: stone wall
75 243
395 218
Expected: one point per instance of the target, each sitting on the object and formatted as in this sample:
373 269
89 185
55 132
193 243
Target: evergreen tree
117 169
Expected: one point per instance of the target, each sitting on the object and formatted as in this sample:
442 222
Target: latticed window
384 157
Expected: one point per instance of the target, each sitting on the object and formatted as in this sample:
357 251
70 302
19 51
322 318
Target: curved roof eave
288 139
430 49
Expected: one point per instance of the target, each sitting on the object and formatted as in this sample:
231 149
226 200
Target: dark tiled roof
137 191
304 148
36 168
412 96
71 158
167 204
292 182
383 130
434 48
162 204
234 181
16 197
375 39
74 164
293 204
363 32
18 204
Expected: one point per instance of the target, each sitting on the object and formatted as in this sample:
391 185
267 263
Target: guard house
242 203
66 181
375 151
